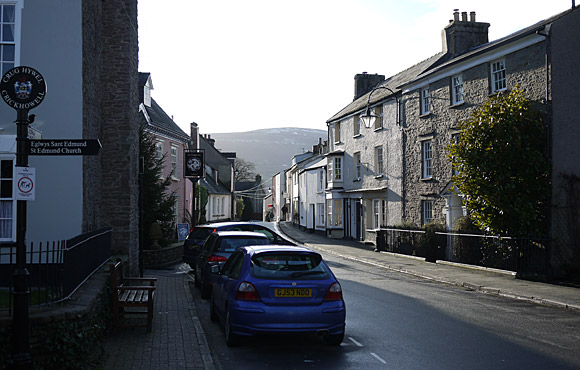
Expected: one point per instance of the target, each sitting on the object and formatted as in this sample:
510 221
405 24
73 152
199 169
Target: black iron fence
526 256
57 269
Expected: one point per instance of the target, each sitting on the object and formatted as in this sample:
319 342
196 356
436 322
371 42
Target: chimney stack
462 35
364 82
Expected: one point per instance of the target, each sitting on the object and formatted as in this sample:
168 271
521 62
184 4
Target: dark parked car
216 250
277 289
199 234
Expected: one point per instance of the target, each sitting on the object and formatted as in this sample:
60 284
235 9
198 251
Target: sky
242 65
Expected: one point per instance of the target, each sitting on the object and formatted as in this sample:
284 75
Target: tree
502 169
158 203
248 211
244 170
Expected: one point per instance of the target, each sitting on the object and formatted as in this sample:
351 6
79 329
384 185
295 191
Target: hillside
271 150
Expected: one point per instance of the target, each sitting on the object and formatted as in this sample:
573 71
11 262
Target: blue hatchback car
277 289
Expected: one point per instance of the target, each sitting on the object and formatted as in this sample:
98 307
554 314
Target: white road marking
378 358
355 342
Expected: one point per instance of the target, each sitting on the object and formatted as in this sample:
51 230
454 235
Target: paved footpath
177 340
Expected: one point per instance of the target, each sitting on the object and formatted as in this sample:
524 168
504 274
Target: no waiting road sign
25 178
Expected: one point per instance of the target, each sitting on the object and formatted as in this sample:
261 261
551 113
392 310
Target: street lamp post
368 118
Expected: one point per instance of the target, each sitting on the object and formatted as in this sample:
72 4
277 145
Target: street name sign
64 147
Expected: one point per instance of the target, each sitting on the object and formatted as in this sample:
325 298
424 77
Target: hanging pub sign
23 88
194 163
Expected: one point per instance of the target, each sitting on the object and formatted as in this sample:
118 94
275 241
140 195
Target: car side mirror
215 269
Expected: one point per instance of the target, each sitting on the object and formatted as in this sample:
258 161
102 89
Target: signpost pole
22 357
22 88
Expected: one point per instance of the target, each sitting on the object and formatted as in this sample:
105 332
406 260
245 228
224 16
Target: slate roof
163 123
491 45
158 120
392 82
213 188
433 64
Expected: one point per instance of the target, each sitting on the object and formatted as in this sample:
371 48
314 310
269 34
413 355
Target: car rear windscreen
200 233
288 265
231 244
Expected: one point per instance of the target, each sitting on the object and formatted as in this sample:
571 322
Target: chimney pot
464 16
472 17
456 15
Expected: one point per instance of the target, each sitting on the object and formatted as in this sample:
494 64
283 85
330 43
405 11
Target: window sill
379 176
493 93
357 179
173 178
427 179
379 129
356 136
425 115
457 105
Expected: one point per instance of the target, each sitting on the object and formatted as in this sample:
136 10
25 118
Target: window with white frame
357 166
379 213
498 81
337 132
329 211
456 89
7 203
320 180
329 166
379 166
427 156
338 169
9 31
425 101
376 214
454 140
176 211
379 119
356 125
337 213
158 150
174 160
383 212
320 210
427 208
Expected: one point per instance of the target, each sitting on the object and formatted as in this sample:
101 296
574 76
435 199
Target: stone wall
120 126
92 86
524 67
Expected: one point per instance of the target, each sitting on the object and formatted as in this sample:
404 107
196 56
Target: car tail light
214 258
334 293
247 292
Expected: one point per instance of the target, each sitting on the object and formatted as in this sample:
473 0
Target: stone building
398 170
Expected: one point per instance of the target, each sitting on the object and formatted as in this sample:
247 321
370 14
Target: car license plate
293 292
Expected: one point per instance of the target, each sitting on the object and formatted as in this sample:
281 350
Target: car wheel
334 339
232 339
196 281
205 290
212 314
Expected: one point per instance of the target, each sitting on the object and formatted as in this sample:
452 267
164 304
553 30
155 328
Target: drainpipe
548 126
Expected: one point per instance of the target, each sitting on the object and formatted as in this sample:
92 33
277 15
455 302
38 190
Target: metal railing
57 269
525 256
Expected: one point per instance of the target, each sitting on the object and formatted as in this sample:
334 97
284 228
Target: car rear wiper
304 273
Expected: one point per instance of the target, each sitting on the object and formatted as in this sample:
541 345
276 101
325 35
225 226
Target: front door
358 220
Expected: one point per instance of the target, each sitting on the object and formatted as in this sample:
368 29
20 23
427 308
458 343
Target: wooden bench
131 293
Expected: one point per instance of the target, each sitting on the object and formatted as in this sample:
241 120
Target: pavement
178 341
484 280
